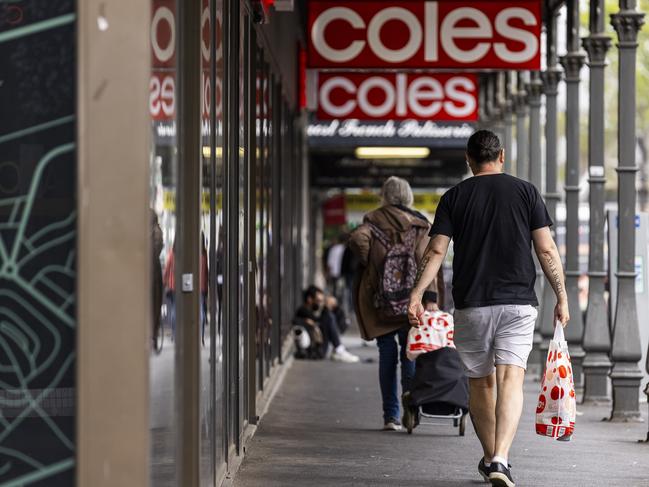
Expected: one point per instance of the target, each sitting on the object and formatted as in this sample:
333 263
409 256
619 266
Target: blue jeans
388 360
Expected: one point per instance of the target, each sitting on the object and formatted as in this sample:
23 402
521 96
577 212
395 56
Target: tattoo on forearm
556 275
422 268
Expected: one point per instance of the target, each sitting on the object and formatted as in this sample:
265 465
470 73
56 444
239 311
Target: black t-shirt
490 219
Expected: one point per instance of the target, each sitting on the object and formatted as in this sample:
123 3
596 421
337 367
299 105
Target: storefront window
163 184
210 309
259 216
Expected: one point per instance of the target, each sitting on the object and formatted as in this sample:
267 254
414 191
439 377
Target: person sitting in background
314 313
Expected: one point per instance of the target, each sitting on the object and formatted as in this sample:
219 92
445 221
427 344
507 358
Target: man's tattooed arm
422 265
555 277
430 264
548 254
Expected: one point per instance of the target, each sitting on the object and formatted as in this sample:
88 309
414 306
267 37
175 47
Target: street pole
551 79
495 112
508 118
626 351
521 129
483 107
572 63
597 338
534 92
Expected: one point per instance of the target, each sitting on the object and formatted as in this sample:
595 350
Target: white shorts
494 335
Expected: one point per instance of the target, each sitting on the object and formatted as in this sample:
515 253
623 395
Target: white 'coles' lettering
486 34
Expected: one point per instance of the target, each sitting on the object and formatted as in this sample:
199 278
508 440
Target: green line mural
37 243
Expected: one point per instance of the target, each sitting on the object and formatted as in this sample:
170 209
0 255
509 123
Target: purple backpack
398 273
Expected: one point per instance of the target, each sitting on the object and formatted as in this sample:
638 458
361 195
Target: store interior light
392 152
207 151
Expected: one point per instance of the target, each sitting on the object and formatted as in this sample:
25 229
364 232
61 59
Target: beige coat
371 254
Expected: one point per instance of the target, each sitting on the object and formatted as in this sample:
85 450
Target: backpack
398 273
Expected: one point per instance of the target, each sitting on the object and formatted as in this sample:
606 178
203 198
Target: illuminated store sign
398 96
482 34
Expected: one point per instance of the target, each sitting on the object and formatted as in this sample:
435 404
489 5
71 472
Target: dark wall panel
37 242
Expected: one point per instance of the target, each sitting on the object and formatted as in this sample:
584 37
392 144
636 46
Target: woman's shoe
391 424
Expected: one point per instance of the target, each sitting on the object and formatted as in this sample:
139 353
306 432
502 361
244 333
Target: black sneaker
484 470
500 475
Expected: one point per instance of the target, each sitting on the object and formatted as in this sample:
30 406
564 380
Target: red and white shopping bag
435 331
557 406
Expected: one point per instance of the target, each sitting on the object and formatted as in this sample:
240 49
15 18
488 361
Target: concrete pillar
508 122
626 351
113 310
597 339
572 63
534 91
551 78
520 101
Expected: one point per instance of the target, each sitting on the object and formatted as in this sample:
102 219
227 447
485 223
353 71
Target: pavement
323 429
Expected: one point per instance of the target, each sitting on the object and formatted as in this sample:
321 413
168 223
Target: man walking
493 219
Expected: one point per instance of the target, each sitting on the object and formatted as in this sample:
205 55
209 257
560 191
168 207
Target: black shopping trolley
439 392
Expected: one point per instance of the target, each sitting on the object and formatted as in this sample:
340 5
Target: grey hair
396 191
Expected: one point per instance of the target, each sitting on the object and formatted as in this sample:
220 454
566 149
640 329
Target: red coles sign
334 211
398 96
482 34
162 84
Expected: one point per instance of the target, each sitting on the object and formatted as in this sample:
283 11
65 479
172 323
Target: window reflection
163 165
208 313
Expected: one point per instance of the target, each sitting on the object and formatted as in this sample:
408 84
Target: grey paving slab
322 429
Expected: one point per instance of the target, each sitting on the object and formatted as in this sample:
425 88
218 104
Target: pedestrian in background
169 279
335 255
389 245
348 270
493 219
156 279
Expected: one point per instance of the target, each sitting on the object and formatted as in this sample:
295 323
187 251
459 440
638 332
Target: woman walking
389 245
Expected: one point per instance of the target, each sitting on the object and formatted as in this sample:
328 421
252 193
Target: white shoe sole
500 480
346 360
485 477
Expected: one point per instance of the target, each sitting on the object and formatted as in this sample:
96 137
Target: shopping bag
557 406
435 331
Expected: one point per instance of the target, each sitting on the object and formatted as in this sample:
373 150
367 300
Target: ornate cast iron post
626 351
597 338
551 78
508 119
572 63
534 92
521 127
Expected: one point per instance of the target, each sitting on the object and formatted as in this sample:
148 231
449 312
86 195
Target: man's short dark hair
483 146
311 292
